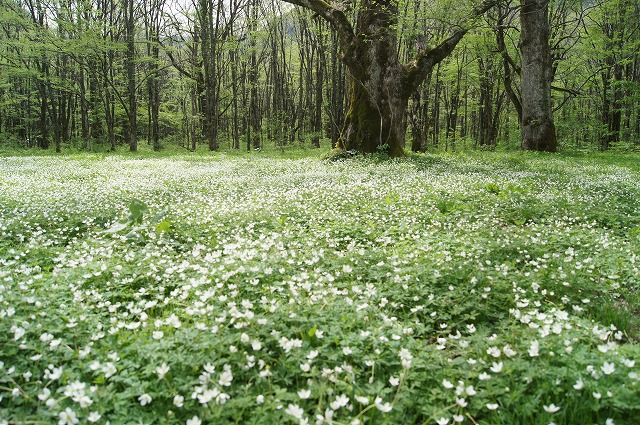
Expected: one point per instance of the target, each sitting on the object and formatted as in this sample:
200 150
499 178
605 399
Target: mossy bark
375 121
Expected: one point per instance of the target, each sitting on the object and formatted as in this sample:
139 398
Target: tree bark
131 75
537 127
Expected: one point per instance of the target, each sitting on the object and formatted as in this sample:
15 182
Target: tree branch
338 21
423 64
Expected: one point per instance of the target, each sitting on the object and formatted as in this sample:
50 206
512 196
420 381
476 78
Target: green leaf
163 226
117 227
137 208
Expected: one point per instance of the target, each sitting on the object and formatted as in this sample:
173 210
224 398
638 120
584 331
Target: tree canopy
371 76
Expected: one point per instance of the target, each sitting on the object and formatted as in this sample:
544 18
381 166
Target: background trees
239 74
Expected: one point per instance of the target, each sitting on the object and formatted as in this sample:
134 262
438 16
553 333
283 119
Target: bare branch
422 65
335 16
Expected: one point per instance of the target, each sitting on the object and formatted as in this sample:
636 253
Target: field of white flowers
477 289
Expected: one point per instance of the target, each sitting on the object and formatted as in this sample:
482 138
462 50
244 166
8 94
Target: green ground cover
480 289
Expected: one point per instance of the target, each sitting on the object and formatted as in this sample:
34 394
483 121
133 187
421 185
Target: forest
247 74
321 212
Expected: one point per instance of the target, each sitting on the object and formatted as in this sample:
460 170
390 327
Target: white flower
158 334
304 394
53 373
484 376
295 411
442 421
579 384
340 401
508 351
458 418
362 400
178 401
461 402
497 367
256 345
609 422
162 370
347 351
18 333
194 421
494 351
144 399
225 378
46 337
109 370
68 417
552 408
447 384
491 406
608 368
534 349
394 381
470 391
45 394
260 399
596 395
327 417
629 363
385 408
94 417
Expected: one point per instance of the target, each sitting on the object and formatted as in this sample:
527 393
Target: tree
538 129
132 111
379 84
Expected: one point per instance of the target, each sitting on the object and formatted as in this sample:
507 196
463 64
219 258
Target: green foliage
490 288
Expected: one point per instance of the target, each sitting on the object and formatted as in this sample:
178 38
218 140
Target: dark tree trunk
235 124
319 82
132 111
337 94
418 139
537 127
254 129
84 109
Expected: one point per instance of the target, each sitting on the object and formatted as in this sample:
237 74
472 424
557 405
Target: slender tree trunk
131 75
319 83
84 109
235 124
538 129
418 140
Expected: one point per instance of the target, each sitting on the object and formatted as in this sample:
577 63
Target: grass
483 288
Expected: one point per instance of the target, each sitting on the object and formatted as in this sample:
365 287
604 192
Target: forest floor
486 288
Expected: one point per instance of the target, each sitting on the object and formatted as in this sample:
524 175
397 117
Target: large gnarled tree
380 85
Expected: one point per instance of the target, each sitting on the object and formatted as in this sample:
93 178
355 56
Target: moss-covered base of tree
366 128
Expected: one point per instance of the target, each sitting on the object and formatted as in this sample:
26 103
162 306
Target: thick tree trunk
378 100
538 130
375 121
